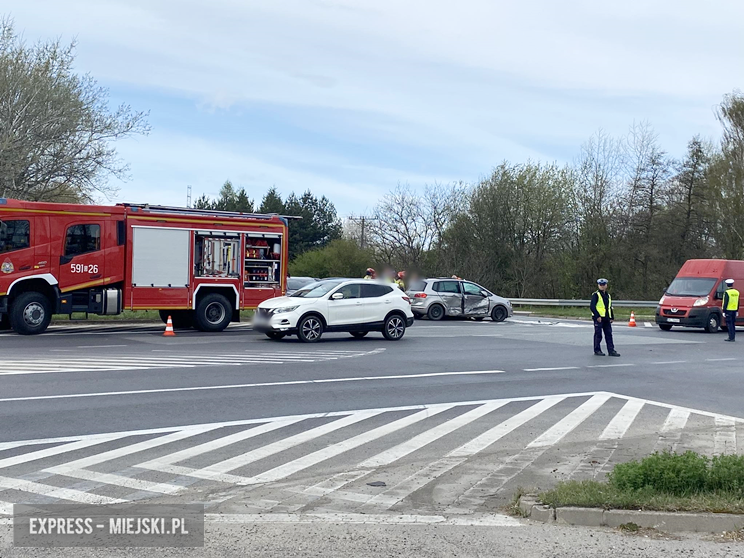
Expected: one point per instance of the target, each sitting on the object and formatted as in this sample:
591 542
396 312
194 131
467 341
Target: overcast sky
349 97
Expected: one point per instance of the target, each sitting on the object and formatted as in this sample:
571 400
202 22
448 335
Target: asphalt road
536 356
444 424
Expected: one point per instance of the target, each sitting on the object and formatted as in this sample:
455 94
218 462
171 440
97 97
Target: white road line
417 442
54 492
245 386
126 450
551 369
554 434
282 445
56 450
724 436
459 455
221 468
620 423
307 461
99 346
671 430
648 324
126 482
718 359
493 435
670 362
609 365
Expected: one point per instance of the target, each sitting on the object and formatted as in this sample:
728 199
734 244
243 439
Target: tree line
625 210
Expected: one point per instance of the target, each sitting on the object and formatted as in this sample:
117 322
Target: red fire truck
200 267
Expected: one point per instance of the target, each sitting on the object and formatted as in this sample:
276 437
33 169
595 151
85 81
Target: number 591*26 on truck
200 267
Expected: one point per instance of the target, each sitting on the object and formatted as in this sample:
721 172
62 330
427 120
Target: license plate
673 320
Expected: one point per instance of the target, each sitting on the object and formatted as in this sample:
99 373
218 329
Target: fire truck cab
200 267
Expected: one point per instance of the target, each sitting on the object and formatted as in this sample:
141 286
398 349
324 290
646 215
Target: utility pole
188 196
363 220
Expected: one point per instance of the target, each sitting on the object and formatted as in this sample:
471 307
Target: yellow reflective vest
601 310
731 300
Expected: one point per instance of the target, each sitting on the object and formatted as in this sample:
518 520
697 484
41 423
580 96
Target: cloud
384 91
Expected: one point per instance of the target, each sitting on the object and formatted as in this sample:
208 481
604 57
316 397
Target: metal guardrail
568 302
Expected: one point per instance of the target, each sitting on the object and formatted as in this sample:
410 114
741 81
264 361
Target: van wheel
714 323
436 312
275 335
213 313
665 327
30 313
499 314
310 329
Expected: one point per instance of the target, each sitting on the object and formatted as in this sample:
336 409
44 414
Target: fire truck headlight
285 309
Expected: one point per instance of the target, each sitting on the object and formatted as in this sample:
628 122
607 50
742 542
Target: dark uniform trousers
731 323
606 327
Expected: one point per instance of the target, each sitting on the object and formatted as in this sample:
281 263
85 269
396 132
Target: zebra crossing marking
337 488
115 363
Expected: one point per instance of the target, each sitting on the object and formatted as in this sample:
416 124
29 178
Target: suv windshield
691 286
316 290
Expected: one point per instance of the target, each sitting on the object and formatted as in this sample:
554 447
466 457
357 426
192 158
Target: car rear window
417 286
373 291
447 287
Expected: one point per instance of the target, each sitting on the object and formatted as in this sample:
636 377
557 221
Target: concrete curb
669 522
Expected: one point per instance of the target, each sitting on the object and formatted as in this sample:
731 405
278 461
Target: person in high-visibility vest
603 315
730 308
400 280
370 274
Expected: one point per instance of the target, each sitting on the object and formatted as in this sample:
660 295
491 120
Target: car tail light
408 300
419 295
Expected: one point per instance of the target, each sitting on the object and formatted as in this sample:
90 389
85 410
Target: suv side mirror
337 296
719 295
484 294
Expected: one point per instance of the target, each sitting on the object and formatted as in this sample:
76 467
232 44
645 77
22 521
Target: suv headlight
701 301
285 309
661 300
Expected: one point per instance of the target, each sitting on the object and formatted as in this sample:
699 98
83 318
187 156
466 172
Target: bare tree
407 225
56 130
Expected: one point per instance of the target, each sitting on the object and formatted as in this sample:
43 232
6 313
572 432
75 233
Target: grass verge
621 314
661 482
595 494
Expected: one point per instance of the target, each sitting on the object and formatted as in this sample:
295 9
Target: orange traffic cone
632 323
169 329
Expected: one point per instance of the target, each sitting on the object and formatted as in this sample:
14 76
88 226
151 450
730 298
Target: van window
14 235
691 286
446 287
82 239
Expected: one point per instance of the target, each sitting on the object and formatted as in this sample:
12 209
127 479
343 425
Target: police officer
731 308
604 315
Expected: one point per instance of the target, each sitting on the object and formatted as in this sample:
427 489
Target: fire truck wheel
213 313
30 313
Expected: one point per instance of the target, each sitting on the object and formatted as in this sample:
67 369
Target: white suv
356 306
